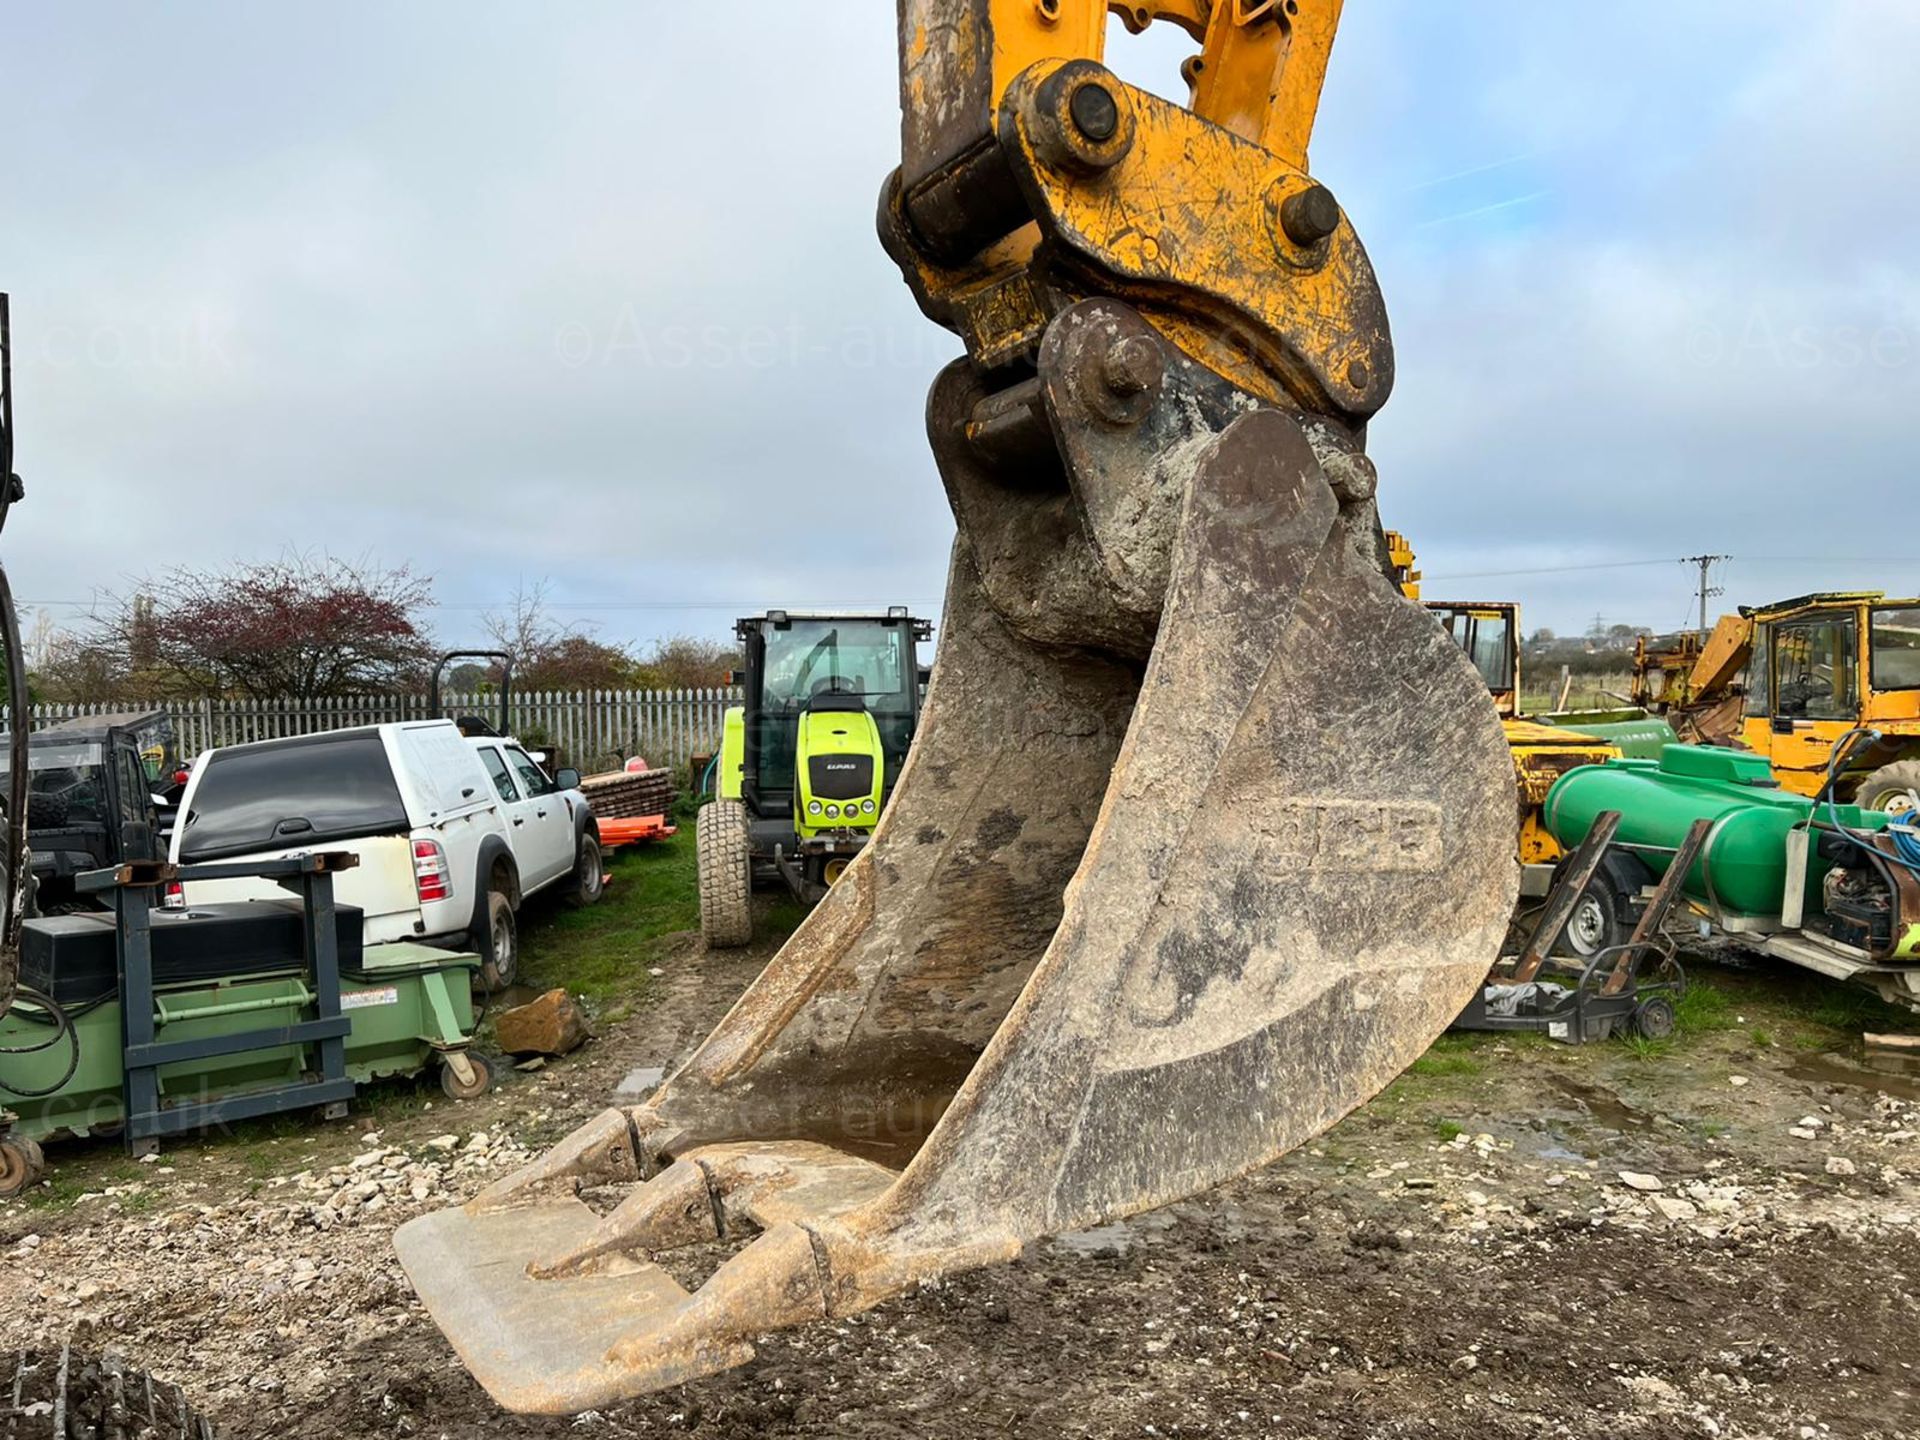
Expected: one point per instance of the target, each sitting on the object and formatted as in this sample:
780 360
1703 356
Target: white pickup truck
452 832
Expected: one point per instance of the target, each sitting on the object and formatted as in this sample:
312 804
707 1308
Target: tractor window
1759 677
1486 636
1896 648
806 659
134 787
67 784
1813 670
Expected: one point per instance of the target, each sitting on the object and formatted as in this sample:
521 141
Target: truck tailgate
381 885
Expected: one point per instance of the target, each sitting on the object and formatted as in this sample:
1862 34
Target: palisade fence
588 729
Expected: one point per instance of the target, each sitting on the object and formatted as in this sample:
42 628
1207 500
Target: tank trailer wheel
1595 924
458 1089
726 874
21 1165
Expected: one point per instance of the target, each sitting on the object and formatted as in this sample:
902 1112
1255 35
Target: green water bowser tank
1658 801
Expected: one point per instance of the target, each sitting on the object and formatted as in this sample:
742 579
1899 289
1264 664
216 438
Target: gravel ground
1718 1239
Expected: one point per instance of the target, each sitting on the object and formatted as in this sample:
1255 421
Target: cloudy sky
590 292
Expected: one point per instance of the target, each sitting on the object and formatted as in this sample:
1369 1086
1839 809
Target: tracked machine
1206 830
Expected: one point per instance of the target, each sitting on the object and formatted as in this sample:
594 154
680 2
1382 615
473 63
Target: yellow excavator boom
1206 832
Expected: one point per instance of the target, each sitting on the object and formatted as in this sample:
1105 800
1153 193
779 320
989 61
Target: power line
1552 570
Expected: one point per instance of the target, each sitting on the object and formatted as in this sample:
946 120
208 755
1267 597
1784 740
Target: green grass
1843 1007
1435 1063
604 952
1448 1130
1705 1007
1763 1037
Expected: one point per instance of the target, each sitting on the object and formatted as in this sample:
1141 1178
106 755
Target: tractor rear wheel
726 874
1892 788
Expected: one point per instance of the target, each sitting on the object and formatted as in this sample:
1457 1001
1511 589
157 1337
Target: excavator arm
1207 829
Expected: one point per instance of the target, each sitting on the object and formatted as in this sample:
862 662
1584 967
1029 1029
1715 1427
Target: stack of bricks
629 795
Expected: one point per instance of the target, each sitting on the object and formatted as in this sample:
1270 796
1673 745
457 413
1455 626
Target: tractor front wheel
1893 788
726 874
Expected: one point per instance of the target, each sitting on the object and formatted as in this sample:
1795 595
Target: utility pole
1707 591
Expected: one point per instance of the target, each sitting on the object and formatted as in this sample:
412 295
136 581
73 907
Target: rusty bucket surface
1206 835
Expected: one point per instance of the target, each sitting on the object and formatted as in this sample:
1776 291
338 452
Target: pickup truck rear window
309 793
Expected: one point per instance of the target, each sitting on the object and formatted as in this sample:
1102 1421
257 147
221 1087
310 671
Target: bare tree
549 654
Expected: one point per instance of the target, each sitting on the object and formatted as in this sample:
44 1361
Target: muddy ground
1460 1258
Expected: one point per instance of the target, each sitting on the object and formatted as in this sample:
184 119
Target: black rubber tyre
46 812
1655 1019
21 1165
60 1394
589 881
498 946
726 874
1598 921
1891 787
456 1089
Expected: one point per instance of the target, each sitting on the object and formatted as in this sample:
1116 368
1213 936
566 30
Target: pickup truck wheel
726 874
589 873
499 945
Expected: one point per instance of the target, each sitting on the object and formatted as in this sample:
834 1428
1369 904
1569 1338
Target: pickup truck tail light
174 897
430 879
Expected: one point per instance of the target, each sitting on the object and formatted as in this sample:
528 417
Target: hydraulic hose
63 1028
1906 841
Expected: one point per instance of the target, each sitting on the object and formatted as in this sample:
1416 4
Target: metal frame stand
1608 994
133 887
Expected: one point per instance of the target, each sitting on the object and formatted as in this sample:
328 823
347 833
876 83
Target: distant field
1541 692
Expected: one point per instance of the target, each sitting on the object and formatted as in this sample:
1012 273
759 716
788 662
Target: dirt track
1399 1279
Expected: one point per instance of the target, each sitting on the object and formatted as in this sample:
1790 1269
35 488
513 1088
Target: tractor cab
1823 665
831 703
100 791
1489 633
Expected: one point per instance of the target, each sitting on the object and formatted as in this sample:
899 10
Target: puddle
1605 1107
641 1080
1560 1152
1826 1070
1117 1238
513 997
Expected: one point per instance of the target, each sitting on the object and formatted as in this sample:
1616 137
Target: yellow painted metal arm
1263 69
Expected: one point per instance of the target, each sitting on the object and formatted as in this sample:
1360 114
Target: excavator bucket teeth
1206 834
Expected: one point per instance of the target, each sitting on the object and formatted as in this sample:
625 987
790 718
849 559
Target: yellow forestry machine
1207 830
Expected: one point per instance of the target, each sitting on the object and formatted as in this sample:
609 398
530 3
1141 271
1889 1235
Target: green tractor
807 763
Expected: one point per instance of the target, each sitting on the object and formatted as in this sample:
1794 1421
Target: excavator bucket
1206 834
